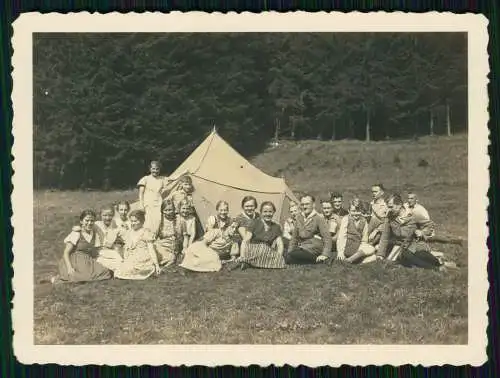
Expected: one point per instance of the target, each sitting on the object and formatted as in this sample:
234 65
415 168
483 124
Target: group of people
167 231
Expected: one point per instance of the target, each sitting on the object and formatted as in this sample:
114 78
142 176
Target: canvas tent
219 172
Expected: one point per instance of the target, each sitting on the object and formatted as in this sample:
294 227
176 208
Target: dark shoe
233 265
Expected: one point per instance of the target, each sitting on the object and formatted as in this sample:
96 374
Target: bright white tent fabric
219 172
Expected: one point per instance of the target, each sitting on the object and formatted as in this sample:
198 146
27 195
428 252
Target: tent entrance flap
220 173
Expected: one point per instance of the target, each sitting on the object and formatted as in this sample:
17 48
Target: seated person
423 220
332 219
207 254
221 219
170 236
378 214
264 242
121 219
338 211
187 216
245 220
352 240
111 252
402 241
288 226
311 240
140 259
184 191
79 261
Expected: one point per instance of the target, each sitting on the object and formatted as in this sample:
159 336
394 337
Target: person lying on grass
311 240
288 226
139 259
79 261
402 241
264 243
170 236
352 241
423 220
208 254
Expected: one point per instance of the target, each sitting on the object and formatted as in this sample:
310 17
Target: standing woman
140 260
151 188
170 235
80 253
245 219
264 243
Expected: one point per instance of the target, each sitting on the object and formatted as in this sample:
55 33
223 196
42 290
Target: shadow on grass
314 304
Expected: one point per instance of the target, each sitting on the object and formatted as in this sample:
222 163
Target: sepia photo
236 189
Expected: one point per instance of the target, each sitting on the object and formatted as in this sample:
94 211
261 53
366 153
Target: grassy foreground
337 304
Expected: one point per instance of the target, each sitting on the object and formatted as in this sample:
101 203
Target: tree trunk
276 129
431 123
334 131
367 126
60 183
448 119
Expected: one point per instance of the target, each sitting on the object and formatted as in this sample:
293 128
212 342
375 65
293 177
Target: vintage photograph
254 187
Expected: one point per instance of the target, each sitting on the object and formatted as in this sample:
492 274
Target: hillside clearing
337 304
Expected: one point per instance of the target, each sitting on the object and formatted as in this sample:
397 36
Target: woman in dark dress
263 240
79 261
245 220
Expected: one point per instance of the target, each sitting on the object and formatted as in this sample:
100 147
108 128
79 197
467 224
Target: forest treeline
105 104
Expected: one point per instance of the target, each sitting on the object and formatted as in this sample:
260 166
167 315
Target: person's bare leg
352 259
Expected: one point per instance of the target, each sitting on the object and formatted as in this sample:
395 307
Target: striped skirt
263 256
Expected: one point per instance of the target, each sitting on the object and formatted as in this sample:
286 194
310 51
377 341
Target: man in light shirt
423 220
414 208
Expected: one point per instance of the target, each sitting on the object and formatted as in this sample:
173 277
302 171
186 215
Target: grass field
337 304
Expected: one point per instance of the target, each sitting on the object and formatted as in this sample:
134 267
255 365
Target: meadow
334 304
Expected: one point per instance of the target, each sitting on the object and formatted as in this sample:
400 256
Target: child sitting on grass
187 216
